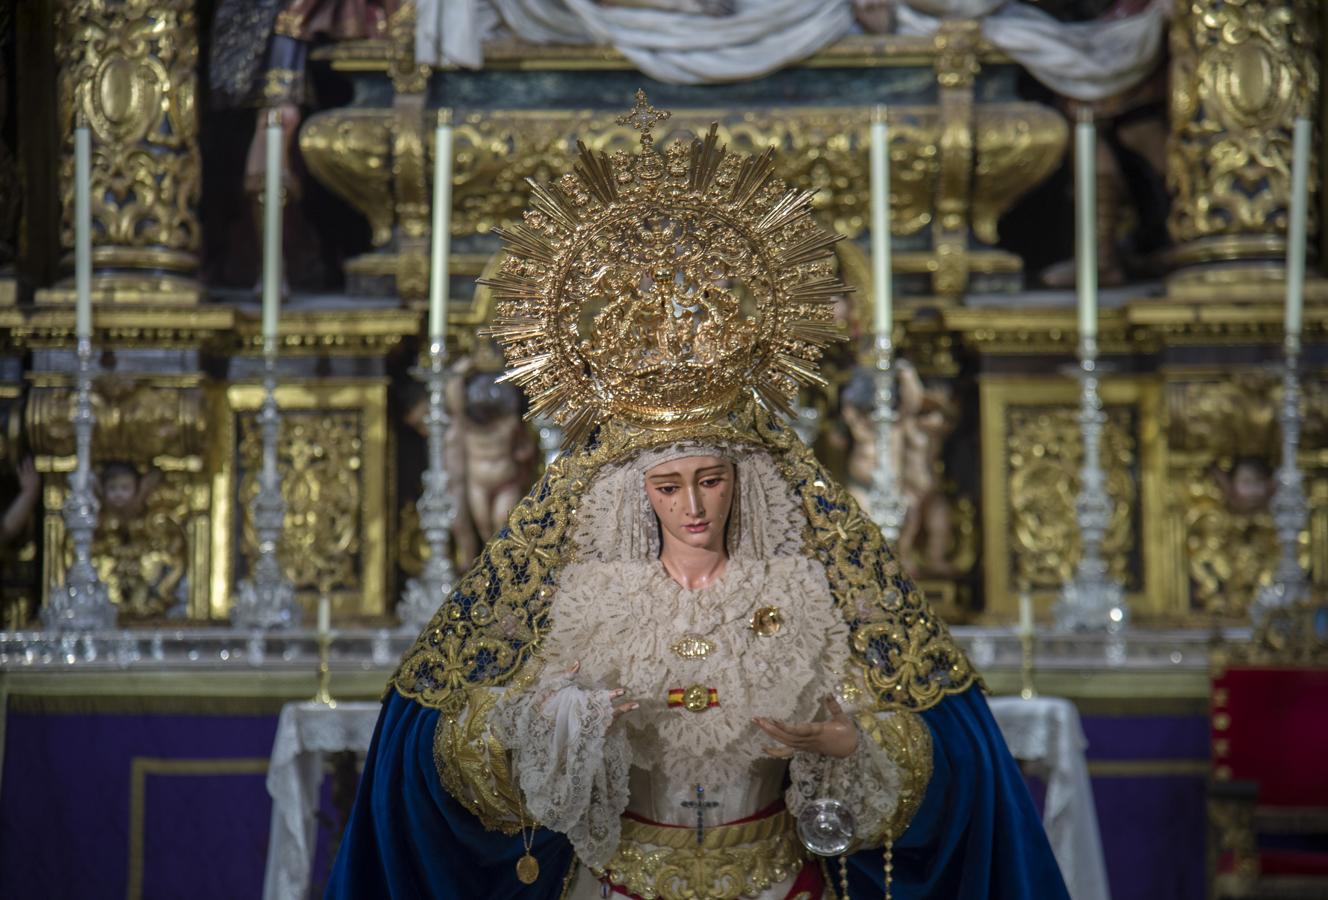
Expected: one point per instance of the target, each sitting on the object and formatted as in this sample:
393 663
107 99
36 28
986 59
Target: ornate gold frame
368 396
1001 392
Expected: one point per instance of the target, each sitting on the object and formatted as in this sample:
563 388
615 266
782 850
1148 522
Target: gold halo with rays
662 288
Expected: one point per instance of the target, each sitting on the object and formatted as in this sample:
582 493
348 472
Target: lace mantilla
490 625
571 766
620 620
869 781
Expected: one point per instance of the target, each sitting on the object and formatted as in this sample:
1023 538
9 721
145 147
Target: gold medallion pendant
527 869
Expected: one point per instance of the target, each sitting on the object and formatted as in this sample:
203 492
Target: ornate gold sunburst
661 288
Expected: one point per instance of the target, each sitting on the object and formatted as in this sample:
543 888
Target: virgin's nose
694 508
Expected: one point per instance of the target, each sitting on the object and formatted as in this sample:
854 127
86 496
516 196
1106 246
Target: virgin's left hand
836 736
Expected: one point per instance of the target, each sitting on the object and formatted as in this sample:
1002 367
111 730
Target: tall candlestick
1295 262
442 227
1085 204
880 223
324 614
1025 613
82 231
272 229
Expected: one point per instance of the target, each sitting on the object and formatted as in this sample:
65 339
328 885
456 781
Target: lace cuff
571 767
867 781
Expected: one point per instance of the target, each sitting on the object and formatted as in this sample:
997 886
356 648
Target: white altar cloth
305 733
1046 732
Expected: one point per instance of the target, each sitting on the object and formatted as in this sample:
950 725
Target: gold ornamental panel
152 555
130 70
1014 146
1223 446
1240 74
332 455
1032 452
137 420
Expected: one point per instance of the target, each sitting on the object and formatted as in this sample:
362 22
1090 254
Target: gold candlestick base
324 694
1026 690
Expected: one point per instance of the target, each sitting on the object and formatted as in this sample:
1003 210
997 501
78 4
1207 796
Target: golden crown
662 289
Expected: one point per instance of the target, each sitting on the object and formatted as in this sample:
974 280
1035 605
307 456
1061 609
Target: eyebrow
659 476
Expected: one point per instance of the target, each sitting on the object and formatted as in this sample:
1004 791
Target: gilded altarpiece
152 554
1222 448
1032 452
129 70
332 456
1241 71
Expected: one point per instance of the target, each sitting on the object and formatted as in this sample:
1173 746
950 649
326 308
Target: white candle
272 228
880 223
82 232
441 245
1085 204
324 614
1025 613
1295 261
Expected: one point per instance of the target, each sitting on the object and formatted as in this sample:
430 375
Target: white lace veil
615 521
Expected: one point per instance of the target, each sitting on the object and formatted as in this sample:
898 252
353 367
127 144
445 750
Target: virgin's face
692 497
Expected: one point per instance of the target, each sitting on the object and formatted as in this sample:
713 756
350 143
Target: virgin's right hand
619 710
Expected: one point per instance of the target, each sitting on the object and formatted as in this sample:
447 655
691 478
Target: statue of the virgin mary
689 660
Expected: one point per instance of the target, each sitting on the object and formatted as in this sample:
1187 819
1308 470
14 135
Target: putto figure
689 656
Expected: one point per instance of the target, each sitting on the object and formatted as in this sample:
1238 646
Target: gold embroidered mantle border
906 739
484 632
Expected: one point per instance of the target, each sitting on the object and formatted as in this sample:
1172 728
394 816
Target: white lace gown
579 771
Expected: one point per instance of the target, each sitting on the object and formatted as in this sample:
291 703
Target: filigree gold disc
660 287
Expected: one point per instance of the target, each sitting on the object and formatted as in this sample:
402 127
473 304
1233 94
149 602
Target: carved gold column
1240 74
378 159
956 66
130 68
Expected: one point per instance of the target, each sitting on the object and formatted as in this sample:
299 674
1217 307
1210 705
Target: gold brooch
766 621
692 646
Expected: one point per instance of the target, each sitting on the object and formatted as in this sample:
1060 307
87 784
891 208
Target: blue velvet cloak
976 835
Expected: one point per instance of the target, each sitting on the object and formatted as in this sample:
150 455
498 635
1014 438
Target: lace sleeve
868 781
570 765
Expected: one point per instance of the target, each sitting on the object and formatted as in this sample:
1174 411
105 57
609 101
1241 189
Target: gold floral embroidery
907 741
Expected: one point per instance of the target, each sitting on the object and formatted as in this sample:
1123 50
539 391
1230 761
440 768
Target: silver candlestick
436 505
1091 601
885 501
266 599
1290 511
82 604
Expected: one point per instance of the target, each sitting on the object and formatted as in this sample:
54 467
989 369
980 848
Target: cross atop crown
643 116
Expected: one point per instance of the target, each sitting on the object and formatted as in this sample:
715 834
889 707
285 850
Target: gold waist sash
732 861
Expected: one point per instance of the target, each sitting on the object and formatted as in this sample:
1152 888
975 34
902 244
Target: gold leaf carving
130 69
1240 74
1045 451
320 456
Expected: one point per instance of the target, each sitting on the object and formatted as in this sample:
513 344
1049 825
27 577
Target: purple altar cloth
152 797
141 805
